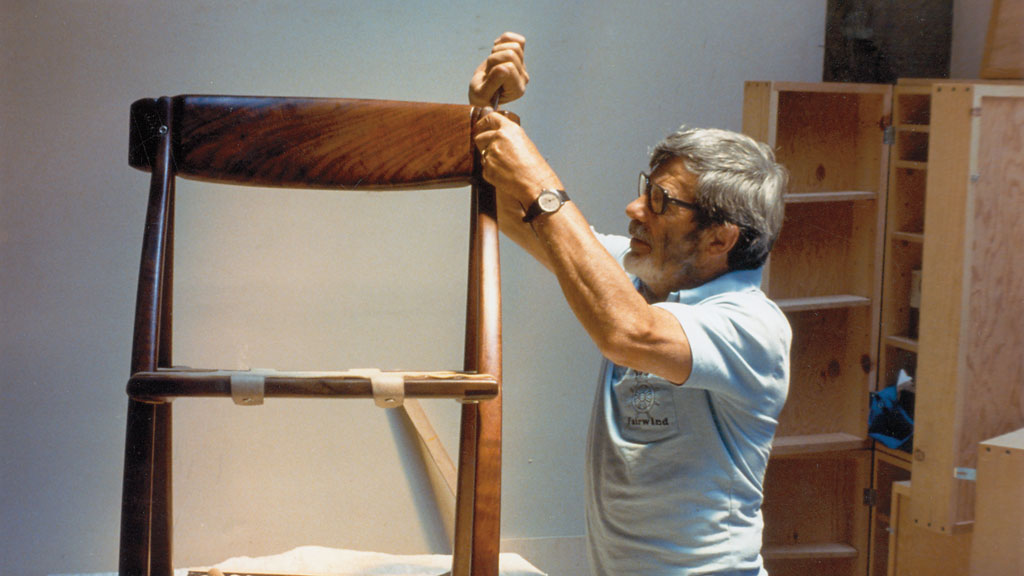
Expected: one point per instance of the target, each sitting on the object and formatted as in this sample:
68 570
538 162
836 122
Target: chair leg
136 496
161 539
465 494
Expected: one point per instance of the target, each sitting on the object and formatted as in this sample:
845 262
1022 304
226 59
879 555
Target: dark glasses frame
658 198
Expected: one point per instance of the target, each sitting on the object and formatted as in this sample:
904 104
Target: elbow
622 346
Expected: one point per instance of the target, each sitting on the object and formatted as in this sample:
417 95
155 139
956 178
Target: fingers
504 70
488 129
507 37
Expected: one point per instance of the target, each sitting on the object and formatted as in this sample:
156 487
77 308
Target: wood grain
314 142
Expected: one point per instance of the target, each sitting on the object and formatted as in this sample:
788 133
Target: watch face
549 202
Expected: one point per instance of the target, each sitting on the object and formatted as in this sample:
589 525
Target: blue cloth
675 473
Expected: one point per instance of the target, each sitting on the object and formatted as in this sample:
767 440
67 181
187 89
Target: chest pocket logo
646 408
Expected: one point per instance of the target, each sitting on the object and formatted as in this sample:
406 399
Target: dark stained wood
316 142
306 143
148 304
136 495
487 516
162 519
164 353
137 499
166 384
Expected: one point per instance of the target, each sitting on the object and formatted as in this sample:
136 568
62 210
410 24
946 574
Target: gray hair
738 181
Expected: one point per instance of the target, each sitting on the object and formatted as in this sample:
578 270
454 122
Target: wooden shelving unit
825 273
904 235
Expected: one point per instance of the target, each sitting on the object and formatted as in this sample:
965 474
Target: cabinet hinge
889 135
870 497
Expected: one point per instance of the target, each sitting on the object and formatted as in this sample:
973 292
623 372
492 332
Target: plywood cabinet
998 534
825 272
919 186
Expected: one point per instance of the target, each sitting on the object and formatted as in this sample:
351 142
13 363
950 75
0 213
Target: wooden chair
340 144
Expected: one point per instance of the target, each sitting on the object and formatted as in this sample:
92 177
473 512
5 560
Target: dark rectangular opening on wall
878 41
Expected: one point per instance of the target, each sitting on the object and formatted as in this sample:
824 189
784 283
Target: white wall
608 80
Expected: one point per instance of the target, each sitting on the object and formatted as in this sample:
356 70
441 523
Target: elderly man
696 356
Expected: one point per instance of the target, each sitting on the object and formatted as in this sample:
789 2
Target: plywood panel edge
758 113
942 300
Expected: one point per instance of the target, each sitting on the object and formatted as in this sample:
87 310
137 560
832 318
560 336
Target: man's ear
720 238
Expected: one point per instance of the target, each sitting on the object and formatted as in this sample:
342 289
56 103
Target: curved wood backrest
309 142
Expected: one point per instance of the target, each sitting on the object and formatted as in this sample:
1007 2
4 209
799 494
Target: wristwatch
549 201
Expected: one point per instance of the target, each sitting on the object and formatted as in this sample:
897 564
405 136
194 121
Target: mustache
637 230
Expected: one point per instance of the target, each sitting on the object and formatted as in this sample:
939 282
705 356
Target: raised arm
623 325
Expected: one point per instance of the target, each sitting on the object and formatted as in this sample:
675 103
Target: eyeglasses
657 197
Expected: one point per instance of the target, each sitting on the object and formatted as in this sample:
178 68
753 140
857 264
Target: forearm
626 329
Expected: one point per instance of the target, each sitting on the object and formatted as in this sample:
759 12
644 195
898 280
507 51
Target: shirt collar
735 281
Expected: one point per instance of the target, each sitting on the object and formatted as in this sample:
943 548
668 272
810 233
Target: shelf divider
817 443
808 551
822 302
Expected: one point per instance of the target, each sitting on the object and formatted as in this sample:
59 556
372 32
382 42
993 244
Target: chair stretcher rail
168 383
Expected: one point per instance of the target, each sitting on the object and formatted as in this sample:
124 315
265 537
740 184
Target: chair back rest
309 142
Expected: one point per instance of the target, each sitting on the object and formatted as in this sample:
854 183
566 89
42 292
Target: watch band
549 201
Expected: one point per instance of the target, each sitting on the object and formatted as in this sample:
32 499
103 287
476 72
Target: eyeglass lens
655 194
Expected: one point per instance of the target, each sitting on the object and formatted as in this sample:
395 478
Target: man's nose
637 209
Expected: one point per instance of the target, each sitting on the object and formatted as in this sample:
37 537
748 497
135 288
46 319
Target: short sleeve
740 347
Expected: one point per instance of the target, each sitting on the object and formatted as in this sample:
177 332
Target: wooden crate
998 544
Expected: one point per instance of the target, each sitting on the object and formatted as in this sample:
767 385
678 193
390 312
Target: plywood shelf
809 551
912 237
911 165
902 342
913 128
901 455
817 443
822 302
837 196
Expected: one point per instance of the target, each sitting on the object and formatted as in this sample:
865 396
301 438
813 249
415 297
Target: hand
510 160
504 70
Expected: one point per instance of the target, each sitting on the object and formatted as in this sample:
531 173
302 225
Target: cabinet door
970 366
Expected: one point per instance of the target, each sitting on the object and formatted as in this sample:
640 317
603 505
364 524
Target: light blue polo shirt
675 473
